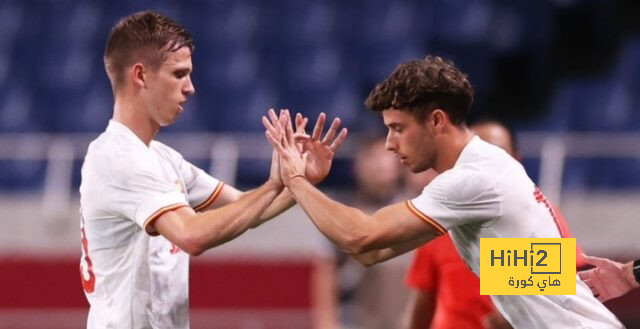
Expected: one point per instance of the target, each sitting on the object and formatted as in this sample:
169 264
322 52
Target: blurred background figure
372 297
571 68
610 279
377 174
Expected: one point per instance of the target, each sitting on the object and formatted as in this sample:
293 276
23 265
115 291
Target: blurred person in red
445 293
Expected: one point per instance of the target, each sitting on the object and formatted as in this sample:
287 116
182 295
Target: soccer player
445 293
144 208
610 279
480 192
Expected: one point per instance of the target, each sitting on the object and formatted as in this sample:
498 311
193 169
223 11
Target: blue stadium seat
589 104
317 80
599 104
232 90
11 22
22 175
518 26
576 175
17 109
304 24
614 173
220 24
378 35
461 22
628 71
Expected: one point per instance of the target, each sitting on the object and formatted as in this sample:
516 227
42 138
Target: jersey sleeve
202 188
457 197
140 191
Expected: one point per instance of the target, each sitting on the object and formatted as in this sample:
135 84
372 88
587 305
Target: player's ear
137 75
437 118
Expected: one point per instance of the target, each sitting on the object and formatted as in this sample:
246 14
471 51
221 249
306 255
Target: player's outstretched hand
292 161
278 122
608 279
319 150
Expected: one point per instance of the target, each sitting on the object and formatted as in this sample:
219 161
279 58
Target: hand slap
274 134
320 153
329 140
279 132
301 136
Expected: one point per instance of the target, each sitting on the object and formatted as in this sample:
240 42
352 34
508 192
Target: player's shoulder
118 159
164 149
166 152
112 148
465 173
462 183
480 152
484 160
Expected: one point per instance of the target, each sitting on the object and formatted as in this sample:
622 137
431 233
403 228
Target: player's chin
418 168
410 167
415 170
169 121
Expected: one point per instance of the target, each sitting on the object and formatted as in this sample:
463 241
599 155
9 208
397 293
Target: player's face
410 141
170 86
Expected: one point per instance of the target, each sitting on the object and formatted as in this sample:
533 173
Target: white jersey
487 194
131 278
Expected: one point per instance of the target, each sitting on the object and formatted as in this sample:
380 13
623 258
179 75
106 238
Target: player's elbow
192 244
366 259
195 251
198 242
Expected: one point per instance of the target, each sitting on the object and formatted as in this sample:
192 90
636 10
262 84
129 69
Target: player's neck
451 147
136 119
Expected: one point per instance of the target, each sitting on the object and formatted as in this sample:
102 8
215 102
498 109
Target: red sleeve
423 273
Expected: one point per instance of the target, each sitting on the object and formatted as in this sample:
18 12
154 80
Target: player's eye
180 74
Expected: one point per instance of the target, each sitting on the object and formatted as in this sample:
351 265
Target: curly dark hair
420 86
145 36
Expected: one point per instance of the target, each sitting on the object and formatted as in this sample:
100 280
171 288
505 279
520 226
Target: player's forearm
217 226
283 202
380 255
344 226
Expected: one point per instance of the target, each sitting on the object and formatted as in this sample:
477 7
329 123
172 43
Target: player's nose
390 144
189 89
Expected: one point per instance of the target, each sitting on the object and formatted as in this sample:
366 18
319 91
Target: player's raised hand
291 160
319 151
608 279
300 136
275 124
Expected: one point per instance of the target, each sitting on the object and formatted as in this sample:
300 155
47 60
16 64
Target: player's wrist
274 183
296 178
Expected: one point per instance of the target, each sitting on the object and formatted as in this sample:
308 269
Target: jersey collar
122 130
